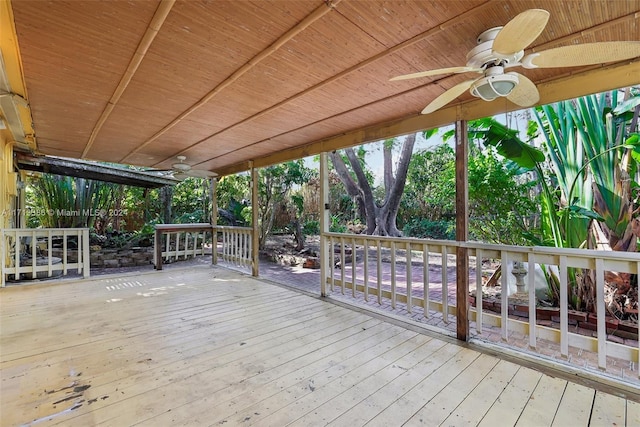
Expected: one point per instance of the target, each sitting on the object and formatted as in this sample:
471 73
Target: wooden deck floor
207 346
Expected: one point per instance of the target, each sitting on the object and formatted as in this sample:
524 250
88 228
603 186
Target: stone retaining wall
113 258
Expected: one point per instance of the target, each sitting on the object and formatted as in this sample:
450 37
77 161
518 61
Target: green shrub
425 228
311 228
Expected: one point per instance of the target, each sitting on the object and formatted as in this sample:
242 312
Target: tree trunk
166 197
380 219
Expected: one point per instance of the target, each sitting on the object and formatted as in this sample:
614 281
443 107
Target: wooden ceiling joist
158 19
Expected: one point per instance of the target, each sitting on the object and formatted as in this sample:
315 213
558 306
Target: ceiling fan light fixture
491 87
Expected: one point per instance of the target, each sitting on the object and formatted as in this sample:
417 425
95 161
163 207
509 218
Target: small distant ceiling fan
501 48
181 170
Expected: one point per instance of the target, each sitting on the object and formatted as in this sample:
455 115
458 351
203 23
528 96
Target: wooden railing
382 268
29 253
175 241
237 246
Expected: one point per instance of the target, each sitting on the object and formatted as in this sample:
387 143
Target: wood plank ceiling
227 82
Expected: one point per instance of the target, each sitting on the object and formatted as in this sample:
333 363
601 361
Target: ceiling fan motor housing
483 55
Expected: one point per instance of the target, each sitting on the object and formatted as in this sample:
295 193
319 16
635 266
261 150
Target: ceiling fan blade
520 32
451 70
582 54
199 173
525 94
180 176
448 96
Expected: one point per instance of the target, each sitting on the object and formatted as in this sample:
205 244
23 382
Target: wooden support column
462 231
255 235
214 221
325 256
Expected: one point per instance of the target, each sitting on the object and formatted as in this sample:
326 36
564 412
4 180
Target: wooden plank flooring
207 346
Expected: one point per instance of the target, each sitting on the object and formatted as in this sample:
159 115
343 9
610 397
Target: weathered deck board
206 346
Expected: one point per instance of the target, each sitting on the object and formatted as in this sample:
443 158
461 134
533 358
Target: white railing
381 267
598 262
393 283
175 241
29 252
237 245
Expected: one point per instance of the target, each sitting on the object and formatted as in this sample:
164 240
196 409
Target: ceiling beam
318 13
596 80
152 31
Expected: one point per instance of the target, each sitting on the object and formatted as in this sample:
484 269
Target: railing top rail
393 239
233 228
546 250
41 230
183 227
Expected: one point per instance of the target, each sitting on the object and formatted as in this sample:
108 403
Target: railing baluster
34 256
17 256
353 267
393 274
3 253
64 252
332 257
408 279
366 269
504 294
49 253
564 308
249 249
225 245
379 272
167 245
425 279
479 291
86 254
187 236
531 283
600 310
342 258
445 284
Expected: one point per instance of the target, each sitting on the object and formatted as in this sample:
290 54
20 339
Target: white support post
326 258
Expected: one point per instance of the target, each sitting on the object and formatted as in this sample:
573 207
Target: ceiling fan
181 170
501 48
